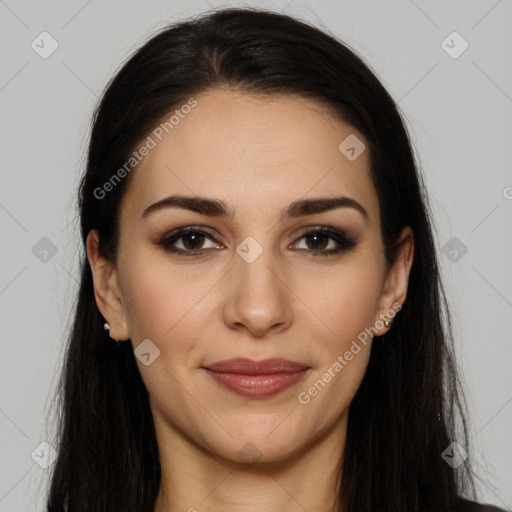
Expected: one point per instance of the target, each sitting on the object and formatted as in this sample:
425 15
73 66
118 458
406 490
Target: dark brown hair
405 412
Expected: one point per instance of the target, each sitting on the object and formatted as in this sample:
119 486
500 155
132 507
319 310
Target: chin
263 446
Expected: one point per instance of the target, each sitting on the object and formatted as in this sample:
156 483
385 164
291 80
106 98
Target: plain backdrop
457 103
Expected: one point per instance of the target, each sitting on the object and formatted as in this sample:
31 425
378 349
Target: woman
257 243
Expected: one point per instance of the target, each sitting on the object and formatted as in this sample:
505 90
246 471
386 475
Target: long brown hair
405 412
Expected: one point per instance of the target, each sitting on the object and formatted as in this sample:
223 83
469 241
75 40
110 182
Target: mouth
256 379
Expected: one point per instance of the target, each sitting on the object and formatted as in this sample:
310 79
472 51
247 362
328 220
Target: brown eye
318 241
191 239
322 241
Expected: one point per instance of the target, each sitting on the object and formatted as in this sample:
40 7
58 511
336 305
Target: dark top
471 506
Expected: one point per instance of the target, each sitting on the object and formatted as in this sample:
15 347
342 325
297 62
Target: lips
256 379
252 367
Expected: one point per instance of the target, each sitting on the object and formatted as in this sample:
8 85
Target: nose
257 298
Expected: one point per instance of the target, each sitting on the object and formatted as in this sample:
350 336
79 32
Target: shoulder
472 506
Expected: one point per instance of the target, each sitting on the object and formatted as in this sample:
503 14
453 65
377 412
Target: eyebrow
217 208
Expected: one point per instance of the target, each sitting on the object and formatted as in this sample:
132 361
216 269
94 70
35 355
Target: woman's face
245 282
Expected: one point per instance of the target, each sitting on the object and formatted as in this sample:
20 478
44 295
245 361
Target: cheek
346 300
326 398
146 307
172 307
156 295
347 307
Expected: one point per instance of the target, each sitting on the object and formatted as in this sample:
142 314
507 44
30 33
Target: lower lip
257 386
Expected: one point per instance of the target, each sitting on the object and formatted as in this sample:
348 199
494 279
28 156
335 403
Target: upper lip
252 367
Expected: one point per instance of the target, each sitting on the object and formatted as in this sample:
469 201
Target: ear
106 289
394 290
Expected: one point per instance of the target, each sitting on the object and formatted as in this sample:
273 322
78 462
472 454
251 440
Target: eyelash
344 241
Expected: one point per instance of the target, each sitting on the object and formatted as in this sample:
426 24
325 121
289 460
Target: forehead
251 150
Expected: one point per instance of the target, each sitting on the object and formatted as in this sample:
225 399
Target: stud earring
106 327
387 323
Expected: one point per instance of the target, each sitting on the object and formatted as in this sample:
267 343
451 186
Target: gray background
458 111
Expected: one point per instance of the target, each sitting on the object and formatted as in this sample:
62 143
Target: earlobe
394 291
106 288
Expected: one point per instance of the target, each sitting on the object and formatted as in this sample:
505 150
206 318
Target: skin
258 155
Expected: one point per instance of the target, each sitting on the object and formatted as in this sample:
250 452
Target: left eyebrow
321 205
218 208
